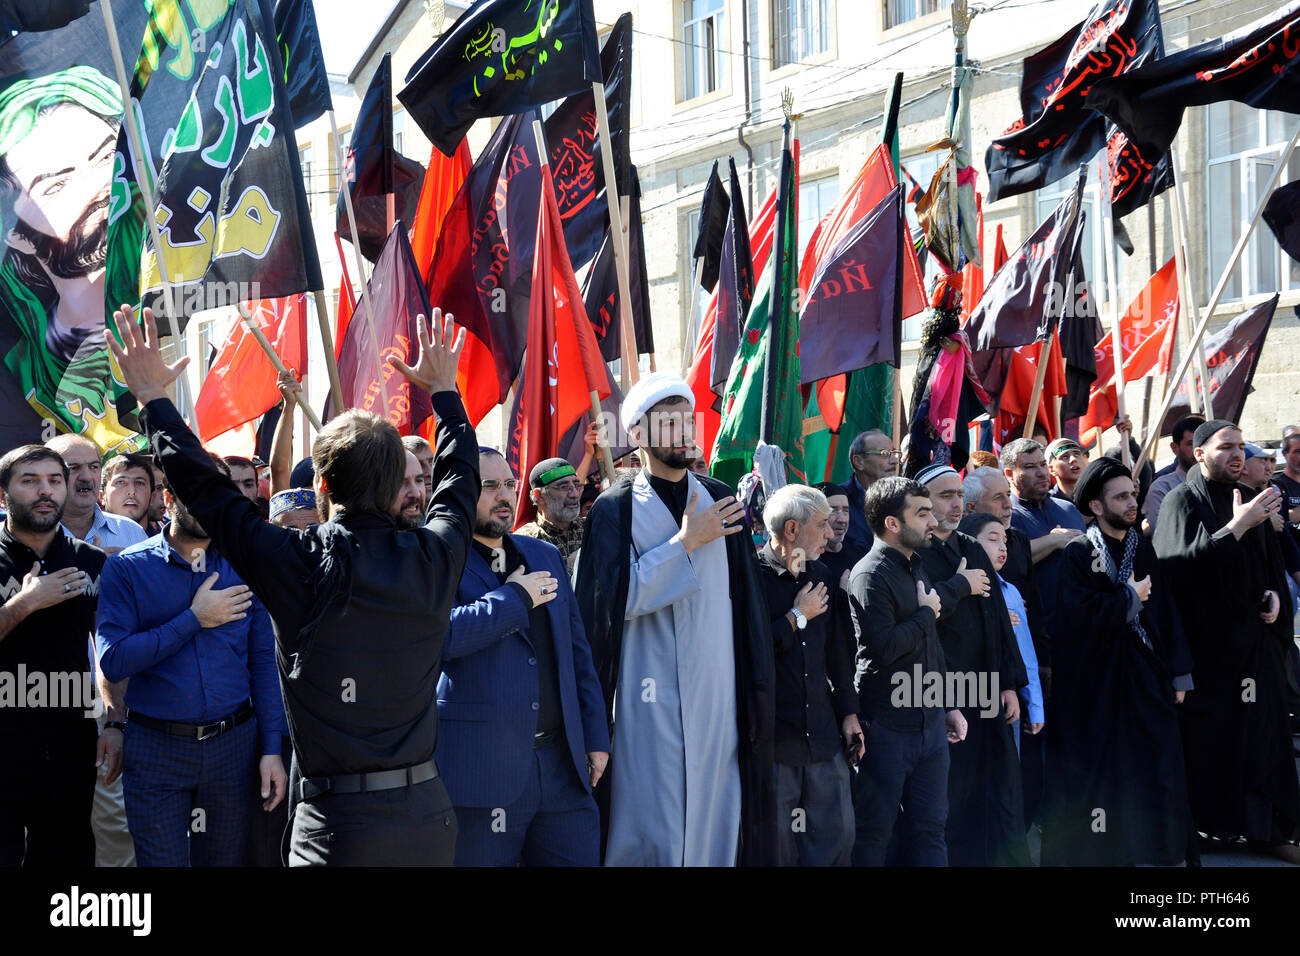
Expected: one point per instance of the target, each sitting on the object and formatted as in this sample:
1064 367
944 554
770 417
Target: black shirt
49 642
549 715
837 562
672 493
360 607
894 633
814 669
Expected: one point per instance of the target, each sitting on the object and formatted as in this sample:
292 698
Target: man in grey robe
668 589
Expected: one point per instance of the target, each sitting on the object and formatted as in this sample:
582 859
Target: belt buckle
217 729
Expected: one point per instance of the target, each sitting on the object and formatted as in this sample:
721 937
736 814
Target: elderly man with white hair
668 589
816 704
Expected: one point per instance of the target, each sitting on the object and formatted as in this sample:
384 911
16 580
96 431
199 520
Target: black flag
736 289
600 288
708 232
304 62
501 57
1080 331
1256 65
1283 217
1230 357
1058 129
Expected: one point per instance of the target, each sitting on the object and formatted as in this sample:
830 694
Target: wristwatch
115 725
799 620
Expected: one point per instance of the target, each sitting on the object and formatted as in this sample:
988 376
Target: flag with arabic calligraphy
501 57
1258 65
222 158
1059 129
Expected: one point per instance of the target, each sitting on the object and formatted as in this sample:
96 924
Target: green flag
762 400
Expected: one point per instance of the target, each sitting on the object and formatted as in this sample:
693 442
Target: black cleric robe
601 588
1117 788
1241 771
986 820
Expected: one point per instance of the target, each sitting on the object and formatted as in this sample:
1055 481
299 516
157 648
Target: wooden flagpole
630 371
1184 239
625 206
139 159
606 457
1112 287
692 325
1040 375
363 303
1237 250
274 356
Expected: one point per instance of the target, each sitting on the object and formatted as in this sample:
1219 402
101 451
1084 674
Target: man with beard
204 697
524 735
1219 551
841 554
411 500
49 583
908 732
244 474
986 822
360 606
668 588
1117 788
84 520
1065 463
557 495
872 456
418 447
128 487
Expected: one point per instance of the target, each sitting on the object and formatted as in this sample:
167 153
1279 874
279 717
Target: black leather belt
310 787
546 737
194 731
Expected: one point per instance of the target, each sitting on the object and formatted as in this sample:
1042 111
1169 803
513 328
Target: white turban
650 391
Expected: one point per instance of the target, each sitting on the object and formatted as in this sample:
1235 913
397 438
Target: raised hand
927 598
439 354
139 357
1249 514
700 527
288 384
540 585
976 578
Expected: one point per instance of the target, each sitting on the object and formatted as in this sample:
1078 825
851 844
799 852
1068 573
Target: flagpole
1184 240
364 301
543 158
327 341
274 356
1112 286
139 157
692 329
1186 299
625 207
1040 375
1223 280
630 372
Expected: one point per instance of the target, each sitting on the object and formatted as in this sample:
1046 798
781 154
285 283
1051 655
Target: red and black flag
475 275
499 58
573 142
304 61
373 169
600 288
562 365
1058 130
1230 357
1258 65
395 295
852 311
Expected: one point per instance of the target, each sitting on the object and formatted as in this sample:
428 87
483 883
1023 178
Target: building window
399 131
308 182
337 155
701 45
815 200
903 11
1243 147
800 29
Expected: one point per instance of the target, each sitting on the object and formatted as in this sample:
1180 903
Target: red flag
1147 332
1019 389
562 364
240 386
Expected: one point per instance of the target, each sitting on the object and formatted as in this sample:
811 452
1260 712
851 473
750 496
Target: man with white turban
668 589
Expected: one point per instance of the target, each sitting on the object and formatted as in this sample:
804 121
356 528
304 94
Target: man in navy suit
524 737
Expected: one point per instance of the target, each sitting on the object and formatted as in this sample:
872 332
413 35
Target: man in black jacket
360 606
899 659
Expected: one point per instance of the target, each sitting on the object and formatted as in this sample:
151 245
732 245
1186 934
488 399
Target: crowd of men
355 660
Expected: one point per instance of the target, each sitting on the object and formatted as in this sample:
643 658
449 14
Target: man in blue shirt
1049 523
177 620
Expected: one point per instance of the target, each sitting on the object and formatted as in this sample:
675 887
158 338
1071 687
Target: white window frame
700 36
800 29
899 12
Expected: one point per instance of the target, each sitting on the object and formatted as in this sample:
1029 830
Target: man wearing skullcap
1216 544
667 584
1122 667
556 491
295 508
986 821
